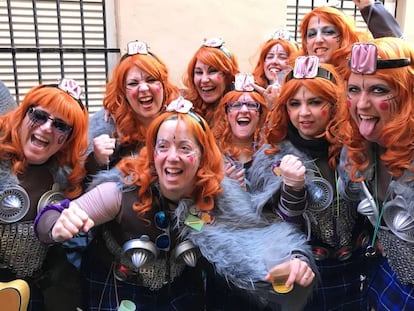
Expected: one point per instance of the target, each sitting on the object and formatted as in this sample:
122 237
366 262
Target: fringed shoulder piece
264 183
112 175
7 178
98 126
404 187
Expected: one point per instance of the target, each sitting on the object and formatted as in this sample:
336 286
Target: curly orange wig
346 27
397 139
222 130
278 118
258 72
73 151
115 100
215 58
140 171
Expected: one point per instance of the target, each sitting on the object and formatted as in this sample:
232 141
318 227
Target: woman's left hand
298 270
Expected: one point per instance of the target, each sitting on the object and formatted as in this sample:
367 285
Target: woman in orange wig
136 93
294 176
376 130
328 33
273 63
43 144
169 206
238 124
209 75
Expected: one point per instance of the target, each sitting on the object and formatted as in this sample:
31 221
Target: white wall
174 29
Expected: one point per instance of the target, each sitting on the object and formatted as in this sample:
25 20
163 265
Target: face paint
384 106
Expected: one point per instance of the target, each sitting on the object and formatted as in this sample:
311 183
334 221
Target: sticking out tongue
366 127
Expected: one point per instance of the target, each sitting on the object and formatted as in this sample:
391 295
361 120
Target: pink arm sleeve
102 203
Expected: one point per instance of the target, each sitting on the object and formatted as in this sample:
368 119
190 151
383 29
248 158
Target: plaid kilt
340 287
386 293
103 292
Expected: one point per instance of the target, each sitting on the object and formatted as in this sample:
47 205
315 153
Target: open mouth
39 141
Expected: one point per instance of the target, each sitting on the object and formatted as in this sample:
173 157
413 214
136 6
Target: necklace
371 251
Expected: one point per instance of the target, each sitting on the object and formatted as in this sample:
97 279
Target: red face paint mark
191 159
324 113
384 106
348 103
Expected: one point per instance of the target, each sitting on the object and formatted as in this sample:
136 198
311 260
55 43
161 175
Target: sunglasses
236 106
161 222
40 117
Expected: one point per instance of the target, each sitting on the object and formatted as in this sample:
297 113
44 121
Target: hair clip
282 34
182 105
137 47
217 43
71 87
244 82
364 59
307 67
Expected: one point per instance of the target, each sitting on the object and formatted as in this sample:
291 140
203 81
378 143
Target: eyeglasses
237 106
40 117
161 222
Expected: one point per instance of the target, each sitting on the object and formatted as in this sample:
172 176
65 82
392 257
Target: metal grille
42 41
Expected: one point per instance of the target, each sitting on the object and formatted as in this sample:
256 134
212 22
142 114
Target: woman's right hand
234 172
293 172
103 148
72 220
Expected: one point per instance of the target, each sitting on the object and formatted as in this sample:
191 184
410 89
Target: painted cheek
384 106
324 113
191 159
348 103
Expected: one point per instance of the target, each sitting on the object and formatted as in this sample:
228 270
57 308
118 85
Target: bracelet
50 207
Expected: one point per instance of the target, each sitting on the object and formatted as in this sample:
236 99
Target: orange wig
222 130
258 73
133 132
278 118
140 171
72 154
397 139
215 58
343 23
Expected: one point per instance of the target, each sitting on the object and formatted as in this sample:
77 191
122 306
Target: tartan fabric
102 292
340 285
386 293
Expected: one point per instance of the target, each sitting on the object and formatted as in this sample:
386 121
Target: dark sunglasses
161 222
40 117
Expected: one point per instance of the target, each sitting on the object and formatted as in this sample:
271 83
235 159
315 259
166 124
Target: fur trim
112 175
239 240
264 184
7 177
405 188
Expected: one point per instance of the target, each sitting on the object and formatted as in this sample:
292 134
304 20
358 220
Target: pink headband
364 59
